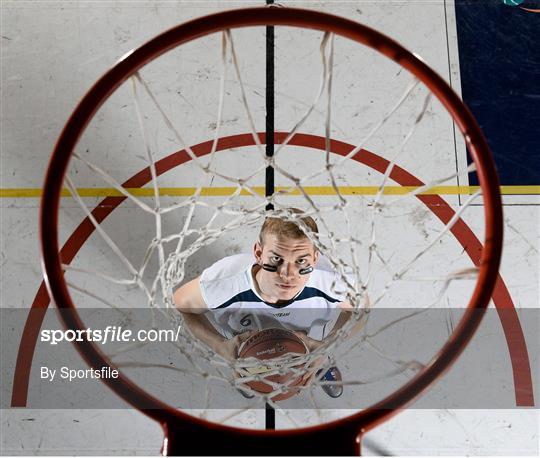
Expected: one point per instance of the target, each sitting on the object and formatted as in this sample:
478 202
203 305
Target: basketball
270 344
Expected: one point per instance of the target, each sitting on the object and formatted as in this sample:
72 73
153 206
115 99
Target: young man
279 285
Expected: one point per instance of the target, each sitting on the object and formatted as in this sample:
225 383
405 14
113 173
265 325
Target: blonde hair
283 228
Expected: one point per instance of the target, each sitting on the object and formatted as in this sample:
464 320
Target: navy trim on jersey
250 296
314 292
244 296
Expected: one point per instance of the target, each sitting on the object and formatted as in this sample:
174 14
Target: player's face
291 259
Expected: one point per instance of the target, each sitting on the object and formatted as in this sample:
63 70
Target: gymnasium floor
52 52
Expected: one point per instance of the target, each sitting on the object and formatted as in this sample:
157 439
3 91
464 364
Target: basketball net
359 255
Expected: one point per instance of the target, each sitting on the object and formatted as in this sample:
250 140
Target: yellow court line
228 190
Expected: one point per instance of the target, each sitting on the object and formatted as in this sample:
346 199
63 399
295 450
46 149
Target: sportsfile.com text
109 334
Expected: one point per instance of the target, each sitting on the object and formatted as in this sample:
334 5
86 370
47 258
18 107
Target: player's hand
312 370
315 365
229 348
310 343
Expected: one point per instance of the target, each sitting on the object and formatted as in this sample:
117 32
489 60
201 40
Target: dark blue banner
499 55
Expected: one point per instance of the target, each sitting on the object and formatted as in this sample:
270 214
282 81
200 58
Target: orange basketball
269 344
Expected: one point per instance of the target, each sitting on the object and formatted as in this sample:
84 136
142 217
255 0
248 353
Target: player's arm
345 311
188 298
190 302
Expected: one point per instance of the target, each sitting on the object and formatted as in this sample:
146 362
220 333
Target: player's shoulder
325 279
227 267
226 278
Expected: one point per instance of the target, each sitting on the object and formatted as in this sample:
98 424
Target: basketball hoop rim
262 16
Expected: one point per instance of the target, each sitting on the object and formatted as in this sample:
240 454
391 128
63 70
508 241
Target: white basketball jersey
228 289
